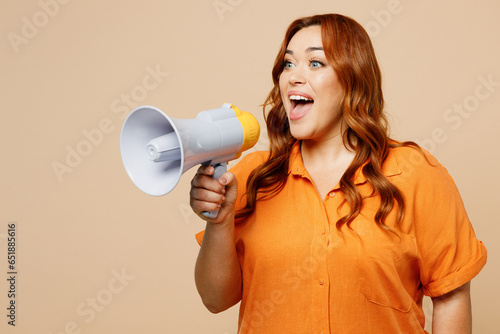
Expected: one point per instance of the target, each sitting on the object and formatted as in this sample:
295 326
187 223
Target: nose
296 76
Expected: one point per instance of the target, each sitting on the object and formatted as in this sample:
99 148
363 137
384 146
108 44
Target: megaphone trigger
219 170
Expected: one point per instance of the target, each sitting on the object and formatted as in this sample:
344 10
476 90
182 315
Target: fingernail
223 198
223 180
223 191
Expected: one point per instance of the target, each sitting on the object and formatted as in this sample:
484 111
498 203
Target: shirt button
332 193
321 282
323 231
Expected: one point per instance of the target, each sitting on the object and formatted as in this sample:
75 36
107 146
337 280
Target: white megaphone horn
156 149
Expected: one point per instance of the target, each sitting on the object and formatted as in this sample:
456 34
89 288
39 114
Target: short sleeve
241 171
450 255
199 237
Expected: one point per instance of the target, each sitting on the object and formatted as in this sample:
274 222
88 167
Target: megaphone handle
219 169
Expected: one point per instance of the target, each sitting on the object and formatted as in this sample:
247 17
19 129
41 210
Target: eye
315 64
287 64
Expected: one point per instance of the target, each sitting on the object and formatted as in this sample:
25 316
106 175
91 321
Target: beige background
69 75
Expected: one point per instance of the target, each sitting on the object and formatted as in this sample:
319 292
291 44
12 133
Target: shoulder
412 159
249 162
417 169
256 157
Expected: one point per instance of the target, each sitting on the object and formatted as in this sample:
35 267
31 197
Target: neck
326 155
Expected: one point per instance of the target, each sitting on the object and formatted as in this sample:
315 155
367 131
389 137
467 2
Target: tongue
302 107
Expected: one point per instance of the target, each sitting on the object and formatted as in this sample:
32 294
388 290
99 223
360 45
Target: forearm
217 271
452 312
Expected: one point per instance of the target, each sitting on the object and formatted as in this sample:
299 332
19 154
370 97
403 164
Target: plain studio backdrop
96 255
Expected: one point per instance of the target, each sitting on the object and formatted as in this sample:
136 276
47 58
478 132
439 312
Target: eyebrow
309 49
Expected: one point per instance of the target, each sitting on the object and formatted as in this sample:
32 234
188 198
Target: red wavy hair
349 50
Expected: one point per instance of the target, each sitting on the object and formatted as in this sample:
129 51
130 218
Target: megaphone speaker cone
151 150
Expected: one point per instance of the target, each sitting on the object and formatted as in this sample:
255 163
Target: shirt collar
296 165
390 166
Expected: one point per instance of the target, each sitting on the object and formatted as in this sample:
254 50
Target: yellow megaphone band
251 129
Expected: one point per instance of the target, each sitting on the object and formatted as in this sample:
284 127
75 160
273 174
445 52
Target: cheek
283 92
331 91
325 82
281 83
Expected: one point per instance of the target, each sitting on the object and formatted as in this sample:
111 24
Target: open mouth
299 106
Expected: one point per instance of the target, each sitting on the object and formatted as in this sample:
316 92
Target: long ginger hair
348 48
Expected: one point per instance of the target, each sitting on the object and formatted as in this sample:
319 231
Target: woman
338 228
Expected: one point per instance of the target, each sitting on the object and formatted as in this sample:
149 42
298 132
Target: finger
204 195
205 170
230 184
227 179
200 206
207 182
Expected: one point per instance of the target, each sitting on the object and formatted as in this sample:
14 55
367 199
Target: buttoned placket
323 281
331 200
320 275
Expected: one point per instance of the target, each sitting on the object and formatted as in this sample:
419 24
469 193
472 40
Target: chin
300 134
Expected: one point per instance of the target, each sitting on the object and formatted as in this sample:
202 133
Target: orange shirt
301 276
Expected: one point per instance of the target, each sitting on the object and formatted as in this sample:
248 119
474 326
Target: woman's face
309 87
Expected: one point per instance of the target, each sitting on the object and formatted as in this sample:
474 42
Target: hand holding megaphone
156 149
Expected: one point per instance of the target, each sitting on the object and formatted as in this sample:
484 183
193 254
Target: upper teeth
299 97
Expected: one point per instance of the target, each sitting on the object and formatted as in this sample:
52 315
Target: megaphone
156 149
